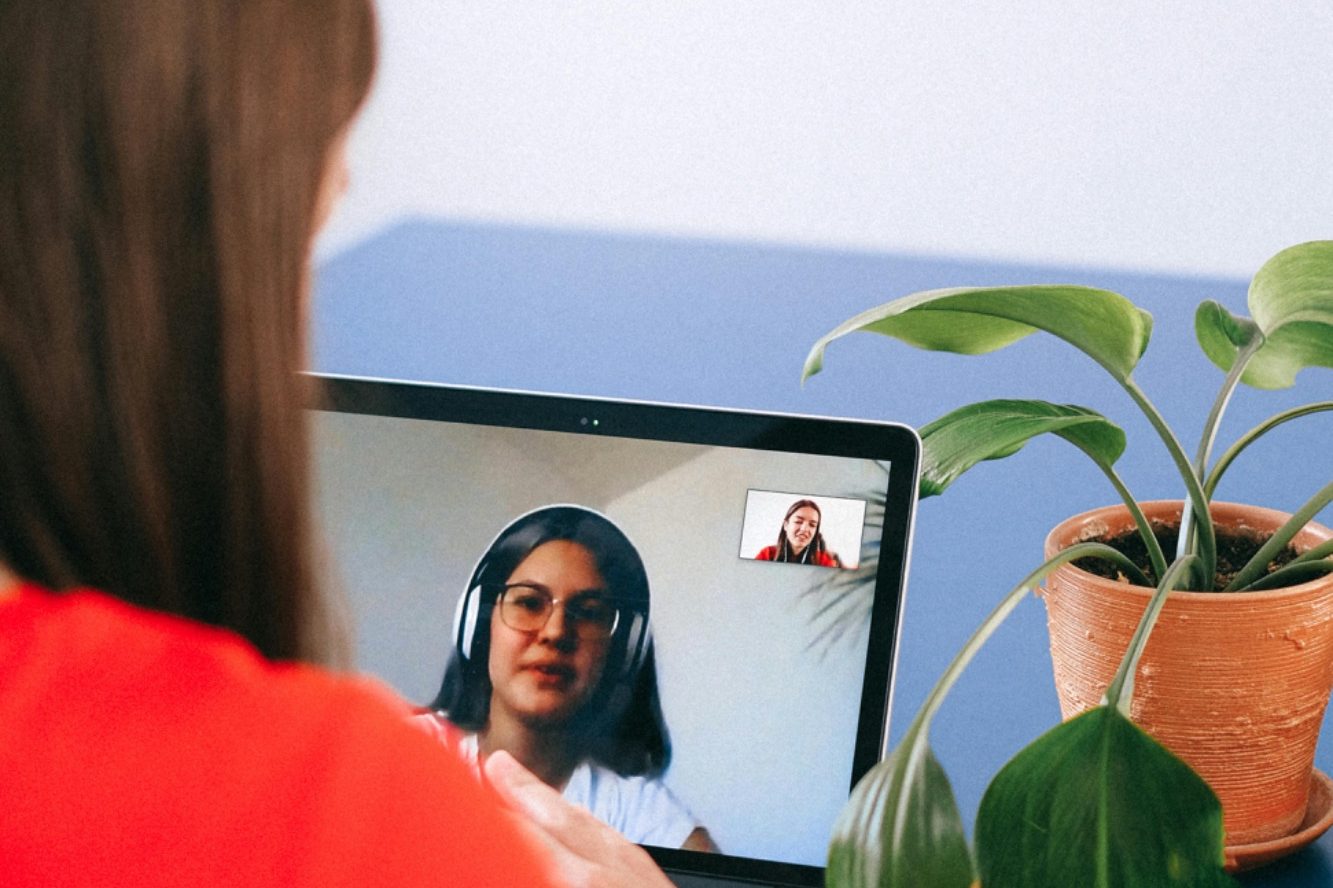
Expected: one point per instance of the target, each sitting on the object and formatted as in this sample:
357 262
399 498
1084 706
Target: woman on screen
553 663
799 539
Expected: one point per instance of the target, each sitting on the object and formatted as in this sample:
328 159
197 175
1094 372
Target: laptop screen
702 604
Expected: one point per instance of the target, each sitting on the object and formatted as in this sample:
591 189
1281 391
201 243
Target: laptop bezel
895 443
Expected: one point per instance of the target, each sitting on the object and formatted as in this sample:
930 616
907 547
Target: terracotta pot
1235 684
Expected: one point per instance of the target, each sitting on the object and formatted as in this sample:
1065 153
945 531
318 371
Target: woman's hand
584 851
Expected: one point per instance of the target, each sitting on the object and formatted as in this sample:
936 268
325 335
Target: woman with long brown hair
800 540
164 166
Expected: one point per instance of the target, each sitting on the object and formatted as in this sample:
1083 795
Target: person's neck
551 755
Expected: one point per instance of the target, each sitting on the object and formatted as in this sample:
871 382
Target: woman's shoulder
138 717
144 663
768 553
166 670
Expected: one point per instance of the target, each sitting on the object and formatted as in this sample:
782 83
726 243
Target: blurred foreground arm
585 852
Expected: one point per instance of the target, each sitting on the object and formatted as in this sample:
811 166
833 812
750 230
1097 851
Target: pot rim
1320 584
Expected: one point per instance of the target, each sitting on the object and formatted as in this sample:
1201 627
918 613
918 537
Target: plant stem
1207 538
1268 551
967 652
1120 693
1292 574
1155 553
997 616
1323 550
1210 427
1249 438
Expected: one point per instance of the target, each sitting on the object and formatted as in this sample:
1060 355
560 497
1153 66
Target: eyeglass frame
617 605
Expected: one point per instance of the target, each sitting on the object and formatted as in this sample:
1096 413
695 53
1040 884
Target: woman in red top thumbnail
799 539
163 168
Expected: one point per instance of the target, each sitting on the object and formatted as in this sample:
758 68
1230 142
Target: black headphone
472 617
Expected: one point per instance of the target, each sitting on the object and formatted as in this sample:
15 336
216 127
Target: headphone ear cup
466 616
637 637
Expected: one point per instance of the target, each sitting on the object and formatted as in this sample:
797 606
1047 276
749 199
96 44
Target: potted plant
1097 800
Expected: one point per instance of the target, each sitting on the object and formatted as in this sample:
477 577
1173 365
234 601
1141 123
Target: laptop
775 550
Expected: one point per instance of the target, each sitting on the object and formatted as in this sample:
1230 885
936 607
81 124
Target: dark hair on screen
160 167
812 552
624 728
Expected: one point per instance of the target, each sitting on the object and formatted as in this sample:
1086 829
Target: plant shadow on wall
841 601
1120 794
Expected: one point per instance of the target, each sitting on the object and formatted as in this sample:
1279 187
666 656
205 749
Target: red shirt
821 559
142 749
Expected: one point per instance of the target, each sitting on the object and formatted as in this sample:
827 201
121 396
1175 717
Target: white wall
1194 136
763 727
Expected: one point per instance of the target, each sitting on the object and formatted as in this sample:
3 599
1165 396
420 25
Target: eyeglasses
591 615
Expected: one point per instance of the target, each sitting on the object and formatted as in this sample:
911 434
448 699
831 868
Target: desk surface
729 324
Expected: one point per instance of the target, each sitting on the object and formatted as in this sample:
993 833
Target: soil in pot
1234 551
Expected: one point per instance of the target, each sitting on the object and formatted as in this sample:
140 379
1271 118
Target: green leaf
900 828
1104 325
1097 802
989 430
1291 301
1222 334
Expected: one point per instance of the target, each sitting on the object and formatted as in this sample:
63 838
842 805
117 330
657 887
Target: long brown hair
160 166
